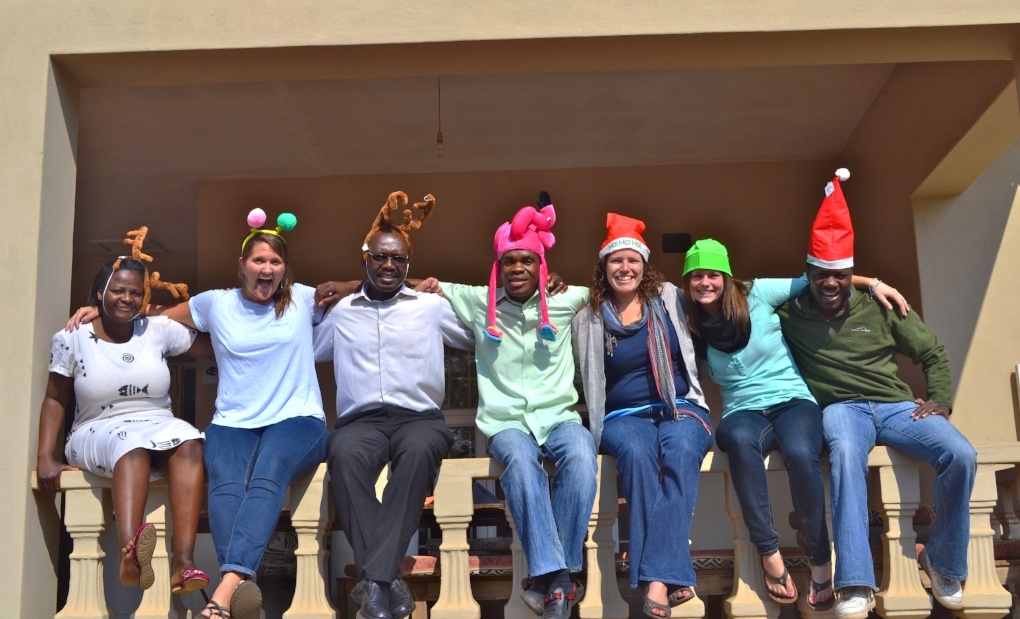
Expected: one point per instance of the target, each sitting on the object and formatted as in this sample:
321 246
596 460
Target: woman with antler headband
115 371
269 426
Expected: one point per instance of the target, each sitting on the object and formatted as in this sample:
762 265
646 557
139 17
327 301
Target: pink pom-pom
842 174
256 218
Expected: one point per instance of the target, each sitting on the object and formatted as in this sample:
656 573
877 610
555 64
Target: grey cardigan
589 349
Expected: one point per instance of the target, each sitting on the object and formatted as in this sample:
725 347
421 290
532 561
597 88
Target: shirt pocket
412 341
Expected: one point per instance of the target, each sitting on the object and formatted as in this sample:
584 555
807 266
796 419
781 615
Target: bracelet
873 287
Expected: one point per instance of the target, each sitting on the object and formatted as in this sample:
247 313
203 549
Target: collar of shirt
404 291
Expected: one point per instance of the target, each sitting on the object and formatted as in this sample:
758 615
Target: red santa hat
623 233
832 235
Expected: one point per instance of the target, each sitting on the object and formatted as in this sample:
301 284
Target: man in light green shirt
526 406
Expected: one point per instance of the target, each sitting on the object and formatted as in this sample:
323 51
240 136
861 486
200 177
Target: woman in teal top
766 406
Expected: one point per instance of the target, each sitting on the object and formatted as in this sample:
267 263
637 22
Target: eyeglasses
397 259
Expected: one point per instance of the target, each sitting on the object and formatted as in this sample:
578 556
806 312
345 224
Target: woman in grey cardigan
646 408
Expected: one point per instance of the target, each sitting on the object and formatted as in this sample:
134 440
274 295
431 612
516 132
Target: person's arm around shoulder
885 294
48 467
323 335
455 333
185 341
180 312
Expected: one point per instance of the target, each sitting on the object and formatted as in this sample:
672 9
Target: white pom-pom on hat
842 174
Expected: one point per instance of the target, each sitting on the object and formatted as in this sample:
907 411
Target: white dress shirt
389 352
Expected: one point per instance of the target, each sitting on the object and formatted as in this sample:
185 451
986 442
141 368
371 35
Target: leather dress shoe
401 601
373 599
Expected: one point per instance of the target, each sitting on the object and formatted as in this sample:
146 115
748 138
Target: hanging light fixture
439 108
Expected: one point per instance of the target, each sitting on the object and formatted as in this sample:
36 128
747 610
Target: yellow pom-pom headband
135 239
257 218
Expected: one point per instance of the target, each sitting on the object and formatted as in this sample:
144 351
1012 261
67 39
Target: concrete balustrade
87 513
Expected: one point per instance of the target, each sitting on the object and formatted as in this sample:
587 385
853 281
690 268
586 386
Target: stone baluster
602 597
515 608
1005 522
983 595
156 599
901 595
86 511
747 598
453 510
310 515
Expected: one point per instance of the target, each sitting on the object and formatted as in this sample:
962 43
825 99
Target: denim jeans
552 531
852 428
795 429
660 511
249 470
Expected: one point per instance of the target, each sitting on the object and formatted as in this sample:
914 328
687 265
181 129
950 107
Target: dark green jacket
852 356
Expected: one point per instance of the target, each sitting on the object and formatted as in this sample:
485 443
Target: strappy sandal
246 601
816 588
780 580
651 605
676 595
215 610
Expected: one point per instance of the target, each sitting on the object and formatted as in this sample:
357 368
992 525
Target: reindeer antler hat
135 239
396 201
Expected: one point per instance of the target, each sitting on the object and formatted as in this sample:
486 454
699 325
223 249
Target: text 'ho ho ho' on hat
623 233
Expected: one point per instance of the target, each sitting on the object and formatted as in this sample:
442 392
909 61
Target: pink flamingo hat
530 229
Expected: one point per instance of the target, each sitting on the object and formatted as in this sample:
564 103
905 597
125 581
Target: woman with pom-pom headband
269 426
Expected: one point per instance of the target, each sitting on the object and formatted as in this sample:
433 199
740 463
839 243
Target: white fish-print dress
121 393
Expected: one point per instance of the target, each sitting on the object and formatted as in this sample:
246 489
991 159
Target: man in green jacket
846 347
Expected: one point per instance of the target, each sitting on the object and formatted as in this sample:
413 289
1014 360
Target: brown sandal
780 580
651 605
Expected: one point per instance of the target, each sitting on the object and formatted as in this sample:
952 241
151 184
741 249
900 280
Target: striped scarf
659 357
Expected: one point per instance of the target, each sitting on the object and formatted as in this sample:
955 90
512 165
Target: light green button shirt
524 382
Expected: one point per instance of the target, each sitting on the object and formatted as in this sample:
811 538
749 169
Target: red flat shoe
191 581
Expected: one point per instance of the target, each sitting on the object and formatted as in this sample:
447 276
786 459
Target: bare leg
187 483
130 490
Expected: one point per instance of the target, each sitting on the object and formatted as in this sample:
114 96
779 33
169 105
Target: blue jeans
795 429
249 470
552 531
852 428
659 460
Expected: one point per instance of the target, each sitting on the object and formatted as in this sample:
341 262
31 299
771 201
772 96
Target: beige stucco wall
37 167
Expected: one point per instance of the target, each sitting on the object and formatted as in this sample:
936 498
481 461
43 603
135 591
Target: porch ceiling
147 146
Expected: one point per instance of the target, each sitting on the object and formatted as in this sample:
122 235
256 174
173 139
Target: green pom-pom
286 221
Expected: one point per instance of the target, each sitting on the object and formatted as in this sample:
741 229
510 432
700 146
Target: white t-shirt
266 365
119 379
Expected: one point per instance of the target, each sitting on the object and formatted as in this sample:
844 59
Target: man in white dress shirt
386 342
